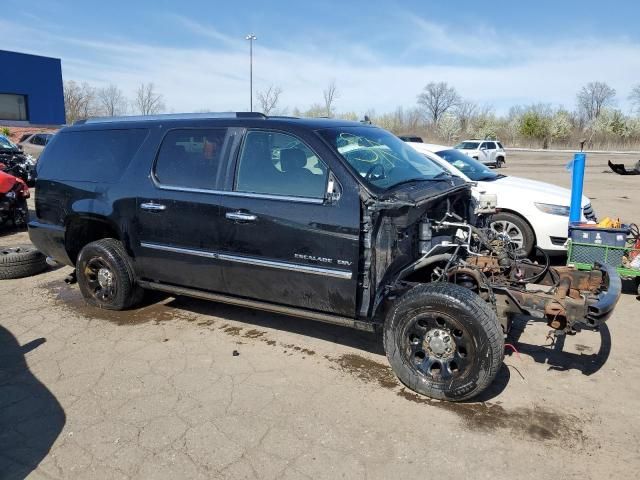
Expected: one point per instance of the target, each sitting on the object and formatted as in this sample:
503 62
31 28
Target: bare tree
634 98
465 111
79 101
147 101
112 101
593 98
269 98
330 95
436 99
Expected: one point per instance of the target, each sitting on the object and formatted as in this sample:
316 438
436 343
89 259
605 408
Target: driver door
485 153
283 239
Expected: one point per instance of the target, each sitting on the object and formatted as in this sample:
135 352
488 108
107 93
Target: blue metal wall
40 79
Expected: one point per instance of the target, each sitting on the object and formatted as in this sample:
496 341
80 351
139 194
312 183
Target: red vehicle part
8 183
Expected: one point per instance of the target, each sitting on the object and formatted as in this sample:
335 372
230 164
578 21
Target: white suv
489 152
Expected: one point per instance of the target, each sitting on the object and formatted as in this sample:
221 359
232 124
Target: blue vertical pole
575 212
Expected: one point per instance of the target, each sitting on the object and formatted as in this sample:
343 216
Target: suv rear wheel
106 277
499 162
444 341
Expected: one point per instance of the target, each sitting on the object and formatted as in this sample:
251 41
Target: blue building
30 90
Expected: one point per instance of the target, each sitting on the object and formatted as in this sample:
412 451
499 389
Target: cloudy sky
380 53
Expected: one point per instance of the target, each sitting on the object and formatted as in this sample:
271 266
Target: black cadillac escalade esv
330 220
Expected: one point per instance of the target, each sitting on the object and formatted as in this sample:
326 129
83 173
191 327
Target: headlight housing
551 209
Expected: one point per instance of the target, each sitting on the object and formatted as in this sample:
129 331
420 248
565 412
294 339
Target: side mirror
483 148
333 190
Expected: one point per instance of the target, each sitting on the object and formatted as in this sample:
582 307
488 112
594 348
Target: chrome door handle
153 207
241 216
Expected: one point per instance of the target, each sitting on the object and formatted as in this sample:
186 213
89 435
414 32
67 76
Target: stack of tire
21 261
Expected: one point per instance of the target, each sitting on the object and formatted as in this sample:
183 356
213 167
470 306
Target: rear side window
190 158
500 146
90 155
280 164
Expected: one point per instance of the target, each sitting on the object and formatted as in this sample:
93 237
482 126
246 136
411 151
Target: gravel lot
157 392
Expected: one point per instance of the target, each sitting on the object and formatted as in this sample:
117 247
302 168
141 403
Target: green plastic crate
584 255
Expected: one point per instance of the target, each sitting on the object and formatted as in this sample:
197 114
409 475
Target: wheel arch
519 215
83 228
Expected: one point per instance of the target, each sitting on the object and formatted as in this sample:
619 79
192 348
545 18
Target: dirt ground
158 392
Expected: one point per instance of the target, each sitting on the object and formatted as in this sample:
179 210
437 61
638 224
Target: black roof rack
171 116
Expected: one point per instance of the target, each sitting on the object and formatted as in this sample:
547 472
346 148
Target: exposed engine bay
448 248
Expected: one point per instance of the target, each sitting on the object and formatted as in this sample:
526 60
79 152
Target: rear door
283 240
178 210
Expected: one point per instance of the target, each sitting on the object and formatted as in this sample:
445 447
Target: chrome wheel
511 230
100 279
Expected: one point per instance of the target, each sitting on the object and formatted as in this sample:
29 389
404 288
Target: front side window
190 158
276 163
38 140
491 145
379 157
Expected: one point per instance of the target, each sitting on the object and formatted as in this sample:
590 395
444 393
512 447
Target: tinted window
379 157
491 145
473 169
90 155
190 158
500 145
38 140
468 145
280 164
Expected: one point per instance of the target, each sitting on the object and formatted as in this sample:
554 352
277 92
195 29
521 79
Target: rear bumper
50 240
599 311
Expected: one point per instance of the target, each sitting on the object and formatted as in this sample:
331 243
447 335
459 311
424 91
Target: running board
258 305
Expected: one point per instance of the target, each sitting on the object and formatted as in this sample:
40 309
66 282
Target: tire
521 232
21 261
106 277
435 316
499 162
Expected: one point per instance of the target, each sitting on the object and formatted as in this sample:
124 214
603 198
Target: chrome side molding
294 267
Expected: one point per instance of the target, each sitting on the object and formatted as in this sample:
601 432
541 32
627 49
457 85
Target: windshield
473 169
379 157
467 145
6 143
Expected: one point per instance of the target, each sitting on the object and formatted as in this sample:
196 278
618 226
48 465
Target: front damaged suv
329 220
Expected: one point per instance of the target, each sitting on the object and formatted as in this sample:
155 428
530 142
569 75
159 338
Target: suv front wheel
444 341
106 277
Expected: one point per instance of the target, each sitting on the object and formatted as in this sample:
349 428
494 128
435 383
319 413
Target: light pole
251 37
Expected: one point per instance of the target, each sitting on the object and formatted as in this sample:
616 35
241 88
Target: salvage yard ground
159 393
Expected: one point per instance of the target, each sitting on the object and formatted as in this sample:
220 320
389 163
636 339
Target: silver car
34 144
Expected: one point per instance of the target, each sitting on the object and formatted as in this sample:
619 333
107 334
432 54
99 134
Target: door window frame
224 158
232 176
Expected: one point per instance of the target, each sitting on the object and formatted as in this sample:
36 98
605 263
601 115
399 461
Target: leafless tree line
440 114
81 101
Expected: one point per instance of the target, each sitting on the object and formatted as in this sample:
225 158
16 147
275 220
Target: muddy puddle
156 308
537 423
